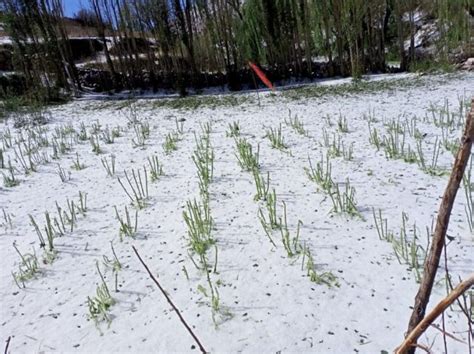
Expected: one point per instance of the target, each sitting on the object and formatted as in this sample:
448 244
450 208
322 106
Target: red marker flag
261 75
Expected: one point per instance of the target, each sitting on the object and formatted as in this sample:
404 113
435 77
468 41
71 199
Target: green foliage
431 66
285 35
208 101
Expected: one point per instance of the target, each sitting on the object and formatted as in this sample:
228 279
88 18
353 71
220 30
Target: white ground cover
274 306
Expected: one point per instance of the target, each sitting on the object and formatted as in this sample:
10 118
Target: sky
72 6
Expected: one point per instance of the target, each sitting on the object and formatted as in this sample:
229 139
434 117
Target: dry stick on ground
432 260
170 302
412 337
7 345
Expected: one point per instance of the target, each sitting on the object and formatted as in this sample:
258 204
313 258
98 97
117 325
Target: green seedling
296 124
199 222
109 166
114 264
344 202
234 130
276 138
291 244
261 185
156 168
127 227
77 165
248 160
27 269
100 304
136 187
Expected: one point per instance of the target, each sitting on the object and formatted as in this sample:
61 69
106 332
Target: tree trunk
413 336
432 260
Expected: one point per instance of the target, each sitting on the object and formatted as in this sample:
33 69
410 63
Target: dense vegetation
196 43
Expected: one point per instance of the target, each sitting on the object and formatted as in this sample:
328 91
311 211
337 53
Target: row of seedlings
55 225
200 224
248 160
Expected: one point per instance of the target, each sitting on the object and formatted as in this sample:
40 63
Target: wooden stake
413 336
432 260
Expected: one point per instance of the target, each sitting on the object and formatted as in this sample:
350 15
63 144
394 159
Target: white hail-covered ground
273 304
